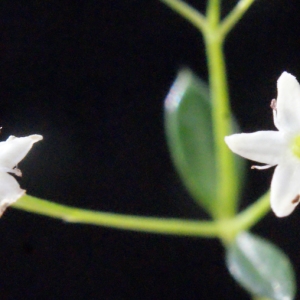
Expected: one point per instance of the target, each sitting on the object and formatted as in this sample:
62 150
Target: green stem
225 230
169 226
244 220
234 16
253 213
187 12
260 298
213 13
221 114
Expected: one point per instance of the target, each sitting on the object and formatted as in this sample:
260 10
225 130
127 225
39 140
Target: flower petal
14 149
266 147
285 189
288 103
10 191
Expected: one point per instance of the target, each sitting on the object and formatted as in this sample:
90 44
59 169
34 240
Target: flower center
296 146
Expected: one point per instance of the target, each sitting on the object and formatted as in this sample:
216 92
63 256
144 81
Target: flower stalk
227 191
168 226
225 230
234 16
188 12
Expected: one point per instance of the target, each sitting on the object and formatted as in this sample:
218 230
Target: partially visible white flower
281 148
12 151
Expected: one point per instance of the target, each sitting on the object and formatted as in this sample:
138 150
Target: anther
273 104
296 199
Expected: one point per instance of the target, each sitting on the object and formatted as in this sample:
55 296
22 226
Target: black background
91 76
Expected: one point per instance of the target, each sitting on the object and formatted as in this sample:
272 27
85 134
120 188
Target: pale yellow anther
296 146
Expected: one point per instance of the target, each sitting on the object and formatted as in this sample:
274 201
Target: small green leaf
190 138
261 267
189 131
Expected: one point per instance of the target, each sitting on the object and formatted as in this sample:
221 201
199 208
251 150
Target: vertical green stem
221 115
213 13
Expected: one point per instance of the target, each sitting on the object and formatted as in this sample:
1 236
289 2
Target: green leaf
261 267
189 131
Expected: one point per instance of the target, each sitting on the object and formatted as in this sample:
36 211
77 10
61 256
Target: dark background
91 76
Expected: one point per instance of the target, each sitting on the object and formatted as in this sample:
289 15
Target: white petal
10 191
288 103
266 147
14 149
285 189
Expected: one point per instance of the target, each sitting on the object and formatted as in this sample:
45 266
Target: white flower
281 148
12 151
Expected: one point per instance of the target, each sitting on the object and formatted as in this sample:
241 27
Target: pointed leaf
188 127
261 267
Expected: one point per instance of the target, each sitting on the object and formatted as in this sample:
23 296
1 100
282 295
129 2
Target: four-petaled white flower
281 148
12 151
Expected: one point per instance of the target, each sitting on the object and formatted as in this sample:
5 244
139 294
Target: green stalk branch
245 219
225 230
168 226
252 214
187 12
234 16
227 191
213 13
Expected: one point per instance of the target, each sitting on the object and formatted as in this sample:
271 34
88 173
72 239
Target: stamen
296 146
296 200
262 167
273 104
17 172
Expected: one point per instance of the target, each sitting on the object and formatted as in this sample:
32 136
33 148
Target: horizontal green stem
226 229
169 226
